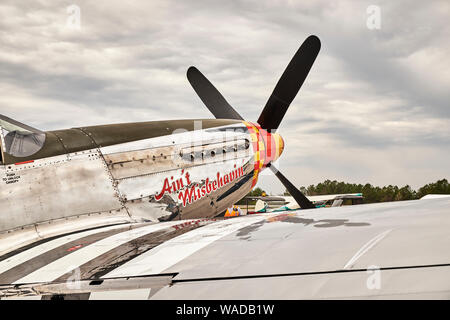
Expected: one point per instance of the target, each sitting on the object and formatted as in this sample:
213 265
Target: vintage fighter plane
287 203
134 211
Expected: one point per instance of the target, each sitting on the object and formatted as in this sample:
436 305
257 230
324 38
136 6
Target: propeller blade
299 197
289 84
210 96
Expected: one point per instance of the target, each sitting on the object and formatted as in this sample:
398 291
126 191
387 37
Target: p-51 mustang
134 211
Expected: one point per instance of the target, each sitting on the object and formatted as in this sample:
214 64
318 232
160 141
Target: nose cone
279 145
274 146
267 147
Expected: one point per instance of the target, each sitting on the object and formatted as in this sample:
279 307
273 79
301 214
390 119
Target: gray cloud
371 91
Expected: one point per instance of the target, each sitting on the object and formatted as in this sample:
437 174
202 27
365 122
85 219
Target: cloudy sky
374 108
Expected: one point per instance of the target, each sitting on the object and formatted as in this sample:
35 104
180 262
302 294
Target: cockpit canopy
18 139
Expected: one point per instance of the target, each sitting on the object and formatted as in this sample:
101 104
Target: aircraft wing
334 196
385 250
291 204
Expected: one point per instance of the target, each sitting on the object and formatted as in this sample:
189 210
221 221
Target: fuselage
151 171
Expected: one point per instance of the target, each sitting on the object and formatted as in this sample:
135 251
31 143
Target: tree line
370 193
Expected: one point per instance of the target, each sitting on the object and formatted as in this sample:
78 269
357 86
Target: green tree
373 194
438 187
370 193
257 192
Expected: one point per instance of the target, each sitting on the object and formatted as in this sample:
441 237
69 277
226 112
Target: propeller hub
268 146
279 143
273 145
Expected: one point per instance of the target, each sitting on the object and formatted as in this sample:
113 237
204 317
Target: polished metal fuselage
184 174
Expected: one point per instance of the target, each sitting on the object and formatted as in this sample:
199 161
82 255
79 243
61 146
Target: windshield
18 139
